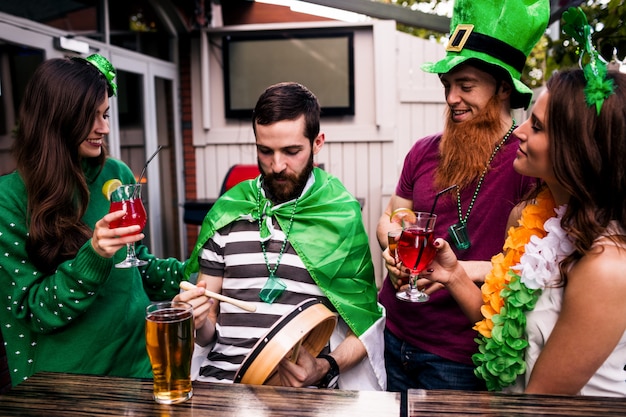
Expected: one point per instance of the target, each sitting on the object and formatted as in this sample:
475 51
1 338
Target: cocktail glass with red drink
128 197
416 250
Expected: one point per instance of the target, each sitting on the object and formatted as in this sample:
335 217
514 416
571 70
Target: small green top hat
496 32
105 67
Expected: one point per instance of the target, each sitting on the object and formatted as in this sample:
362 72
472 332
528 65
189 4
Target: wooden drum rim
310 323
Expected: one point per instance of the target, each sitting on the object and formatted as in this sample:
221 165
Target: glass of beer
392 241
170 341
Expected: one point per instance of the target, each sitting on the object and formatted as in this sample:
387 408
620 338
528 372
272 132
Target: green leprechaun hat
496 32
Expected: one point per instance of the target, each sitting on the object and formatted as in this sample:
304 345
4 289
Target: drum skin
309 325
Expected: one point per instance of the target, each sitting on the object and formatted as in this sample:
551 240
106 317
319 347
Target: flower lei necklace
534 248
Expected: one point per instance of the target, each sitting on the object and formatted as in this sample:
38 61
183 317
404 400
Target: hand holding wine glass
128 197
416 250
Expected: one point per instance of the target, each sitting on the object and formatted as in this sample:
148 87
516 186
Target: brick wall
189 155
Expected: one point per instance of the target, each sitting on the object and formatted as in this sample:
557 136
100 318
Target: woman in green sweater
64 306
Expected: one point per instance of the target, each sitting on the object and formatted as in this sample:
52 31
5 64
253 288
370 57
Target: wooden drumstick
244 305
296 351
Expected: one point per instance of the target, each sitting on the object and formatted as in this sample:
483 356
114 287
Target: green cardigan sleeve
43 302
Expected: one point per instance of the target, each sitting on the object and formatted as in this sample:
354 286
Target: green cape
328 235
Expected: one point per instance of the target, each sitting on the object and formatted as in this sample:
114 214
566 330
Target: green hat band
465 37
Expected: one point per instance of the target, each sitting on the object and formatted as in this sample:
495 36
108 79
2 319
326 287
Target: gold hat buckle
459 37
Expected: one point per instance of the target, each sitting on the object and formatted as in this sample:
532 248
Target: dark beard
281 193
465 147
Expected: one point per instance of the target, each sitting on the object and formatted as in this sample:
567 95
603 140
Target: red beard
466 147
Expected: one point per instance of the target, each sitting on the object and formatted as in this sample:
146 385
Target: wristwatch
330 379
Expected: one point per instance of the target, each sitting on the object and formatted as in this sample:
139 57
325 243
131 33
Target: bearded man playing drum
291 234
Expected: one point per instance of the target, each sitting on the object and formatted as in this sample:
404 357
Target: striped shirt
235 253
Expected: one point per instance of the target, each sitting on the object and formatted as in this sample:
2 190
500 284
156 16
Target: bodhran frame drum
308 326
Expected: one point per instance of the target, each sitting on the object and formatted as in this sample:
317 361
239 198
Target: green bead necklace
458 231
274 286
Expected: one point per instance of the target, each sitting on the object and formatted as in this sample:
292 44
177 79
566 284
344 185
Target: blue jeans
411 367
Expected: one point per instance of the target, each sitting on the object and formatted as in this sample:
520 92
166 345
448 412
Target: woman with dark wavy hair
65 307
551 314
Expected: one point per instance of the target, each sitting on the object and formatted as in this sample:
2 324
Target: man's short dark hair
288 101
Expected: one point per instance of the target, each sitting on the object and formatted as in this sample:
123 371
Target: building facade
172 86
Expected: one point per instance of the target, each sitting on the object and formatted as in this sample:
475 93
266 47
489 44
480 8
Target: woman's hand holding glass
127 197
444 266
106 242
430 280
447 271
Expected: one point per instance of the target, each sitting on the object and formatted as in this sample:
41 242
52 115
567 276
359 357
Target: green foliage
427 6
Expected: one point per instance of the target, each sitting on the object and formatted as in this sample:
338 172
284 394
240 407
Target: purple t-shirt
439 326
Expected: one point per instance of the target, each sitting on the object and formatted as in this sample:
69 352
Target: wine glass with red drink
128 197
416 250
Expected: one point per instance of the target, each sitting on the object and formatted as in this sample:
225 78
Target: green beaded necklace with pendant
274 286
458 231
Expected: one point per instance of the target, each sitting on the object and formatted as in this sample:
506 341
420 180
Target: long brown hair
56 115
587 151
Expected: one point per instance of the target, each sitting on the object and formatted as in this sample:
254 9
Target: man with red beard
292 234
429 344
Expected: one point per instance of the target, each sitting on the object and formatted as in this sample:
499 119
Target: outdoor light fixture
69 44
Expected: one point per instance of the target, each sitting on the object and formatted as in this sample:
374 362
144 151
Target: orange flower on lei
498 360
530 224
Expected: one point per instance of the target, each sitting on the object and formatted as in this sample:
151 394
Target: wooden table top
69 395
434 403
52 394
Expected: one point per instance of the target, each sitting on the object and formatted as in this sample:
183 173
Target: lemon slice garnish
110 186
402 215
